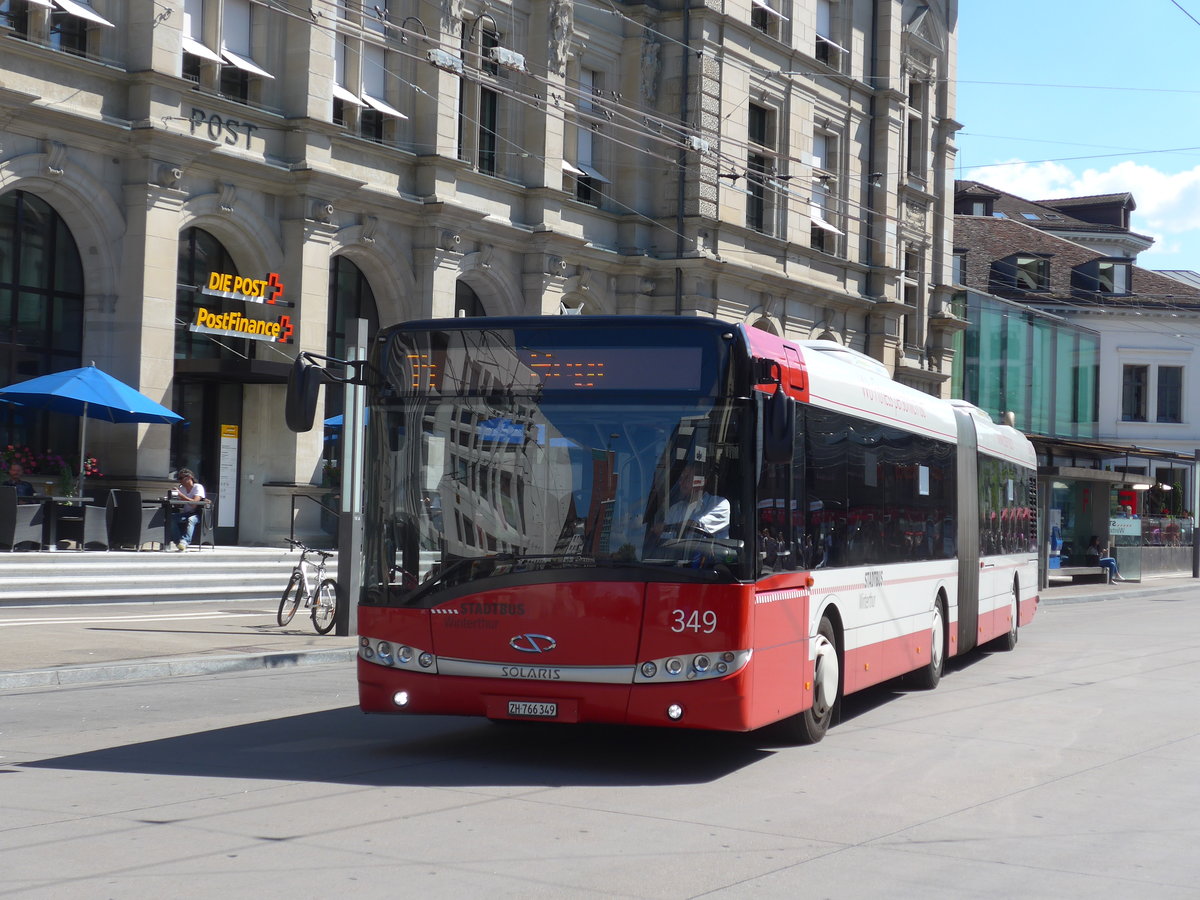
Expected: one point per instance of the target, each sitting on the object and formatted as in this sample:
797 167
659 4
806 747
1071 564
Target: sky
1066 98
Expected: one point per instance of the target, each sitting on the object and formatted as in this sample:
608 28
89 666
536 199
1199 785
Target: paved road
1067 768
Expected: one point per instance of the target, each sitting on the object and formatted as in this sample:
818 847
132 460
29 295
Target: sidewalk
87 643
1066 592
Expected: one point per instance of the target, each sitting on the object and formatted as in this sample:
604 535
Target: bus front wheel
809 726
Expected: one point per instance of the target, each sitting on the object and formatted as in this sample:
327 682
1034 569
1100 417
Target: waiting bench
1078 572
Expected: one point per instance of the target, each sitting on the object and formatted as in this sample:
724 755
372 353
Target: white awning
379 106
567 167
45 3
819 221
838 47
81 9
342 94
246 65
766 7
591 173
196 48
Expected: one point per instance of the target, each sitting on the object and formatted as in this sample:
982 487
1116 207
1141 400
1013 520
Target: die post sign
266 293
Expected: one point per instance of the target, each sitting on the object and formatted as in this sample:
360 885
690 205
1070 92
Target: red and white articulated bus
674 522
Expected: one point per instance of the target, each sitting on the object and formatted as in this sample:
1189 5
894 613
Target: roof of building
1187 276
1106 213
1125 198
988 239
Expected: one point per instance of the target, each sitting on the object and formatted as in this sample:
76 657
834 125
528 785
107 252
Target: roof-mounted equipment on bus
848 355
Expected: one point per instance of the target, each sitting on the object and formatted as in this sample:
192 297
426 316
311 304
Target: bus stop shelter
1138 501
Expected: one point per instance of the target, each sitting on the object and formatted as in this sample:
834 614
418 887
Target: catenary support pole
1195 495
350 522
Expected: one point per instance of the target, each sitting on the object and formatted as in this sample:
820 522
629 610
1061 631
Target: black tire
324 609
928 676
1007 642
290 601
809 726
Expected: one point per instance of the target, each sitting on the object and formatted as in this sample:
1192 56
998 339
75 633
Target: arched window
201 254
765 324
466 301
350 297
41 312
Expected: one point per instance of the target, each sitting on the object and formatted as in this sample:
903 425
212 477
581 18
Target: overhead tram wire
737 165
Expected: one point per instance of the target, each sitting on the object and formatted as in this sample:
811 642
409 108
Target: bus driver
695 509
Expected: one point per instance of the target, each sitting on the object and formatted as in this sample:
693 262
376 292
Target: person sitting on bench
1098 556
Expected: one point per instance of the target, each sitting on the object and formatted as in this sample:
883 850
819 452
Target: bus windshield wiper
490 566
671 567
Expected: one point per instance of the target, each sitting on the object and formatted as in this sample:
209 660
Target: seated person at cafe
24 489
183 518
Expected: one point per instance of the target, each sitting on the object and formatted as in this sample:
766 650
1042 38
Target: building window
764 16
971 206
823 231
916 162
1135 382
1170 394
760 133
201 254
71 25
350 297
362 75
589 182
1023 272
1102 276
828 50
196 53
466 301
912 276
479 104
1112 277
960 267
912 293
41 313
15 15
1032 273
241 77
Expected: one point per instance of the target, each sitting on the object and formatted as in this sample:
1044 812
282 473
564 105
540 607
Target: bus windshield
479 469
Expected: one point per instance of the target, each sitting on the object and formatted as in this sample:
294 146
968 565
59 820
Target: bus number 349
683 620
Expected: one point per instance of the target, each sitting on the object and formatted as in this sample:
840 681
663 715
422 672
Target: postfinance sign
278 330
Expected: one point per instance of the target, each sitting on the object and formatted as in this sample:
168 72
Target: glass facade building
1042 368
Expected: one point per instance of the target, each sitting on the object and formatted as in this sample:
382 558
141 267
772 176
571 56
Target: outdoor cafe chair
20 523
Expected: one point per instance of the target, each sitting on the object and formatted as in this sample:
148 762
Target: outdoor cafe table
54 510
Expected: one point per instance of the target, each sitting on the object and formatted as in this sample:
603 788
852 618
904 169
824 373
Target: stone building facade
784 163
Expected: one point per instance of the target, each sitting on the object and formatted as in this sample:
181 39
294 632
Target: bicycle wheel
290 601
324 611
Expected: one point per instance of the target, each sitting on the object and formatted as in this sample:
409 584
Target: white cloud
1168 203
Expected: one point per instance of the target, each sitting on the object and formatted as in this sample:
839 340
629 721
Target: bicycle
323 601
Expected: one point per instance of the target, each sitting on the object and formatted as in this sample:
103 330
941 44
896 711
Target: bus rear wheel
1009 641
809 726
928 676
